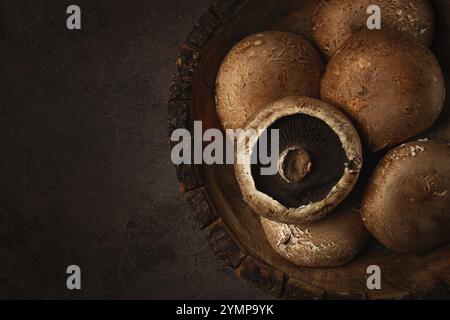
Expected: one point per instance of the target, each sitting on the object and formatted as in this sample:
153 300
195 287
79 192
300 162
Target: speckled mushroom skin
330 242
392 87
351 143
337 20
262 68
407 203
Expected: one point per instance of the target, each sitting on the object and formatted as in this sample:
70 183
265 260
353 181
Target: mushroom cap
338 20
392 87
262 68
329 242
332 191
407 203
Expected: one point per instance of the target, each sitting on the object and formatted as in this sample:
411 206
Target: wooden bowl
212 192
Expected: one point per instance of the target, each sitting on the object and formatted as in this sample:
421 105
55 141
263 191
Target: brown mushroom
407 203
320 157
329 242
441 130
338 20
262 68
392 87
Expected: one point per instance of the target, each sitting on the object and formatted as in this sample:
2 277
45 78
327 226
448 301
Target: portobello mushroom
390 86
262 68
407 203
319 160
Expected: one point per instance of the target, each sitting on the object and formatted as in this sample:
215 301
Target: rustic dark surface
85 171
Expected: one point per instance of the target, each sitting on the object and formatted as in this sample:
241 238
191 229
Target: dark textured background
85 171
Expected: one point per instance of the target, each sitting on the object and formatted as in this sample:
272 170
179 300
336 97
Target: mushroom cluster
379 90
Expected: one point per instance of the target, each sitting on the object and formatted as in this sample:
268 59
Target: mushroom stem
294 164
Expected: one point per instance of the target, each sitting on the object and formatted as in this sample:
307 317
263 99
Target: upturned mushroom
407 203
329 242
392 87
337 20
262 68
320 158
